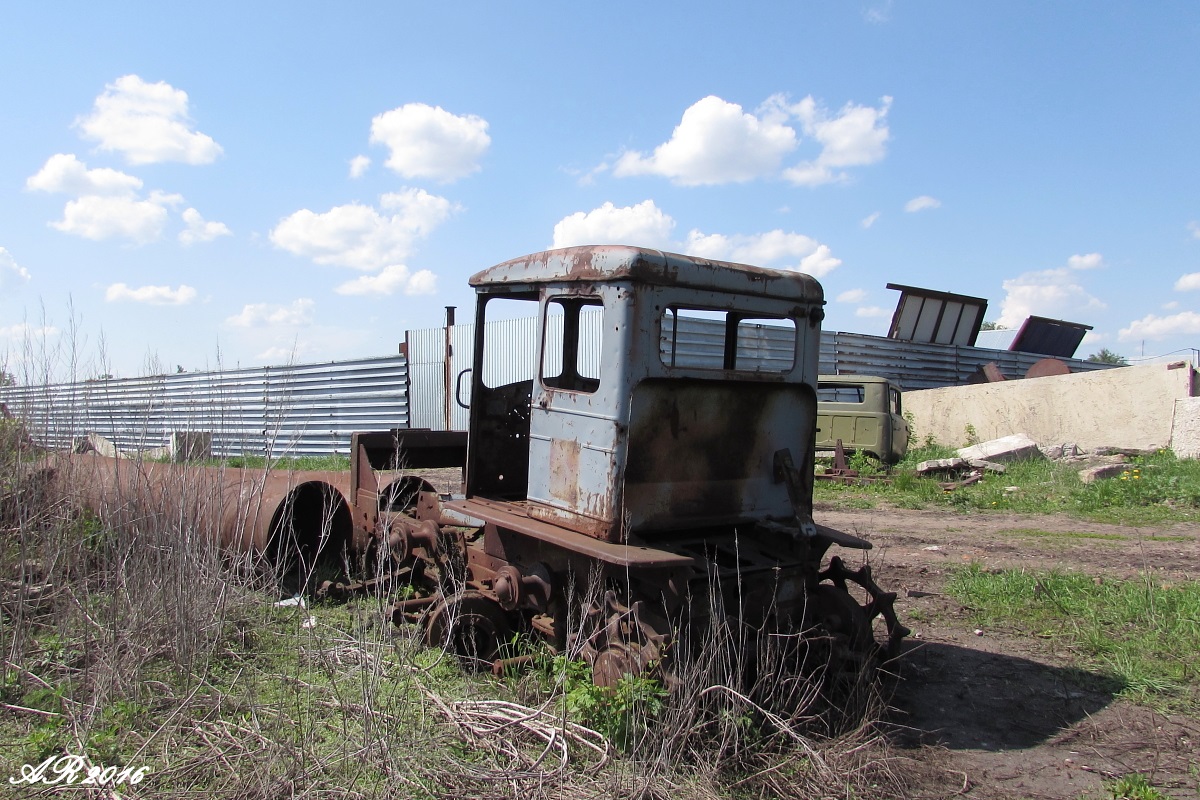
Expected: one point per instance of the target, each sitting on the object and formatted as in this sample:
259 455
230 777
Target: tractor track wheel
471 625
626 640
882 604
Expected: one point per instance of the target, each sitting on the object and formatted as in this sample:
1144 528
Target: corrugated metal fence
311 409
299 409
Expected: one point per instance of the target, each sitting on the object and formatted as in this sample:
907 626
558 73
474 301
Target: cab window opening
573 328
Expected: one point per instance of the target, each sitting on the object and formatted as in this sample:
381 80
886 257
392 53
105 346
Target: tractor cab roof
617 263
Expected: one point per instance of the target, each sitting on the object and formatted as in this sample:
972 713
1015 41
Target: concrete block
1127 406
1093 474
95 443
1017 447
1185 428
941 465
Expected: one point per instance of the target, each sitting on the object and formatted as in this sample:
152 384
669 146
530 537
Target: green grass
1145 633
1135 786
1068 535
278 687
1155 489
336 463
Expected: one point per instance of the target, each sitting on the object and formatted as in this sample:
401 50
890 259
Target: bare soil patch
994 714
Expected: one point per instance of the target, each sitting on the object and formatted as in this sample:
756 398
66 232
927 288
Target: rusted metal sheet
701 453
988 373
1049 337
926 315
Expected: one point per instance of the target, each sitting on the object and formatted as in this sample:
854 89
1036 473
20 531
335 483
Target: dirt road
998 715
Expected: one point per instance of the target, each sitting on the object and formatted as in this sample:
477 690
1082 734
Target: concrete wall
1185 432
1126 407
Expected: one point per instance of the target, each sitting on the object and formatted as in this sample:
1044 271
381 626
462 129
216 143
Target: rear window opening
698 338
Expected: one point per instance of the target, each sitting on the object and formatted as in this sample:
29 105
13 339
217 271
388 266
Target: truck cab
864 413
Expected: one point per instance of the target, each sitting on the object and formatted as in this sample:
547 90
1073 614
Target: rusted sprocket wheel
881 603
470 625
625 640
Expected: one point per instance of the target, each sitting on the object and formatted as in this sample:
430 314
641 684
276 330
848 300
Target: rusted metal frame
513 517
412 448
478 433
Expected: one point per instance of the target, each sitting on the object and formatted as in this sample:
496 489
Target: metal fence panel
426 368
298 409
311 409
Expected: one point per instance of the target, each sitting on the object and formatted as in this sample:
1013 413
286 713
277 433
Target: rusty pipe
244 510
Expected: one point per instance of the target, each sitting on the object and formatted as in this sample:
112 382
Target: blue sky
252 183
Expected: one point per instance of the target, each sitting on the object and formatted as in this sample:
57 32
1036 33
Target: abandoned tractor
634 474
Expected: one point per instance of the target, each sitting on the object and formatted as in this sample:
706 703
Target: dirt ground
991 714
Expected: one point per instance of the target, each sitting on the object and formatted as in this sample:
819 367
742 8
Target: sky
226 184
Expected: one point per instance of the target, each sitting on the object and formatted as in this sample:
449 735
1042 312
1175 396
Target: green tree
7 379
1106 356
988 325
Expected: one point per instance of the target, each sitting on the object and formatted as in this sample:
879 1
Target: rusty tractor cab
622 484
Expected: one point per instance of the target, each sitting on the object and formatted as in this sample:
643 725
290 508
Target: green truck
864 412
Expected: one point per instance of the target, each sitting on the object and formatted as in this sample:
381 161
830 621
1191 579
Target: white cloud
101 217
1153 326
23 331
423 281
1188 283
644 225
64 172
1194 227
852 296
259 315
922 203
430 142
715 142
200 230
879 14
869 220
872 312
1053 293
12 274
359 236
107 203
390 280
151 295
1089 261
766 249
1171 306
148 123
359 166
856 136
